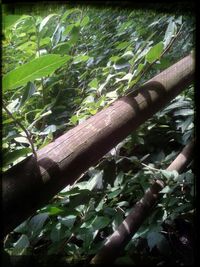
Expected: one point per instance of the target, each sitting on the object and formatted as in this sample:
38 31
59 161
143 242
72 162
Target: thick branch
119 239
32 183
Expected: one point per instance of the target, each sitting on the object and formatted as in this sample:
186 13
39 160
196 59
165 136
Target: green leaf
169 33
49 129
11 157
29 90
52 210
114 193
10 20
100 222
21 244
68 220
74 119
80 58
95 181
62 48
36 223
93 83
119 179
85 21
34 69
122 45
128 55
184 112
153 239
58 233
169 174
74 34
45 20
68 12
22 139
155 52
68 29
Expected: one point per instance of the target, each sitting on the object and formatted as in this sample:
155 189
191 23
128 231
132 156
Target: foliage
63 67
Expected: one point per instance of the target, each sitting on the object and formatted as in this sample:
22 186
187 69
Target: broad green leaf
58 233
62 48
13 106
68 220
74 119
28 46
95 181
112 95
93 111
34 69
52 210
118 219
166 190
45 20
100 222
114 193
169 33
169 174
128 77
89 99
74 34
45 41
68 12
85 21
29 90
122 45
22 139
128 55
68 29
93 83
36 223
11 157
80 58
21 244
10 20
153 239
155 52
119 179
49 129
184 112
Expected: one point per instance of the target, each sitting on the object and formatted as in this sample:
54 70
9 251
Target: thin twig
18 123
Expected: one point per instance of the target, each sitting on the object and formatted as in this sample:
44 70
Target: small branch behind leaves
18 123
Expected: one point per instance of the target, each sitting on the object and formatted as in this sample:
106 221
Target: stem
28 135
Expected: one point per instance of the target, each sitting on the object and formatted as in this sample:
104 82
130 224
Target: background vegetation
62 65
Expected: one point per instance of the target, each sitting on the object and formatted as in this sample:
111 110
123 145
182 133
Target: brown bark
32 183
142 209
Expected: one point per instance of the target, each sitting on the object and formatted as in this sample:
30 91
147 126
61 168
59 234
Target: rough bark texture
32 183
120 238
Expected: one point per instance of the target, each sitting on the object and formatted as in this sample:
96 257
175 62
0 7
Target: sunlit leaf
85 21
45 21
122 45
155 52
80 58
32 70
